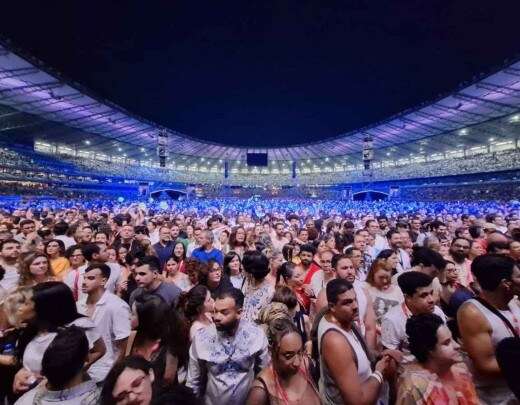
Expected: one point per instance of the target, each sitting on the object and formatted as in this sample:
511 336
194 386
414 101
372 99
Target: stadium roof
40 102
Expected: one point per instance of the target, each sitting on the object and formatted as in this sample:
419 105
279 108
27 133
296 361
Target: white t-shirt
11 277
33 354
75 280
383 301
112 319
393 330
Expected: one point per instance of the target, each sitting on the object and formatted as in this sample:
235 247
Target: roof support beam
512 71
10 73
66 97
493 105
90 117
76 108
451 109
508 91
33 87
429 126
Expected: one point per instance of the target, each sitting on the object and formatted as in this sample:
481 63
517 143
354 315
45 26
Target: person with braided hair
287 380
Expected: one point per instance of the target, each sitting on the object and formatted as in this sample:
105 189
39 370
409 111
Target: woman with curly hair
287 380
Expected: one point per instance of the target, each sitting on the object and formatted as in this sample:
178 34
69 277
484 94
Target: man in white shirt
320 279
9 253
226 355
92 253
197 232
418 299
110 314
380 243
395 241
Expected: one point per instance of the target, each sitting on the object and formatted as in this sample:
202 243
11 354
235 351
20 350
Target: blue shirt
164 252
214 254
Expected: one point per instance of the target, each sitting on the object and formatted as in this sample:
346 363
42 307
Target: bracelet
378 376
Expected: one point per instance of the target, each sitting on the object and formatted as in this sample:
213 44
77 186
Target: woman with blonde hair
35 268
17 308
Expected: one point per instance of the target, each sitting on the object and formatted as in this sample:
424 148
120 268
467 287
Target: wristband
378 376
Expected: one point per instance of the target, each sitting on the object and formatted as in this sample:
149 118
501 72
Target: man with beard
9 253
484 321
226 355
459 251
309 266
395 241
277 237
383 224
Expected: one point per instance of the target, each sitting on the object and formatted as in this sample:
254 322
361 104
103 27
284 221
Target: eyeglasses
133 386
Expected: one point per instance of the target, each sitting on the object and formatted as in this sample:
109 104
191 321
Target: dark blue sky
267 72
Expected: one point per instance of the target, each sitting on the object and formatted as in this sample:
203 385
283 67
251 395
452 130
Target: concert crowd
259 301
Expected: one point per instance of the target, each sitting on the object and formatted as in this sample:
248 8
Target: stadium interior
58 137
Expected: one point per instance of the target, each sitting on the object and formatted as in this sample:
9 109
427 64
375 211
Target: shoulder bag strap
498 314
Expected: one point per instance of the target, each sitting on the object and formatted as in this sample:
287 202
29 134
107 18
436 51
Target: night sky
267 72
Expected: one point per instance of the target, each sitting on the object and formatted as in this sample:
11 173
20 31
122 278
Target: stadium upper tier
30 165
39 104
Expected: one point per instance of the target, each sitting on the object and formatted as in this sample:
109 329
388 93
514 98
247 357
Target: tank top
327 386
494 391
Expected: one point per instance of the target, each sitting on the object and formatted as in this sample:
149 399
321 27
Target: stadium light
491 139
463 131
119 149
87 142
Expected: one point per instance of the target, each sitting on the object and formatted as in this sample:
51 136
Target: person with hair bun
287 380
438 376
197 305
